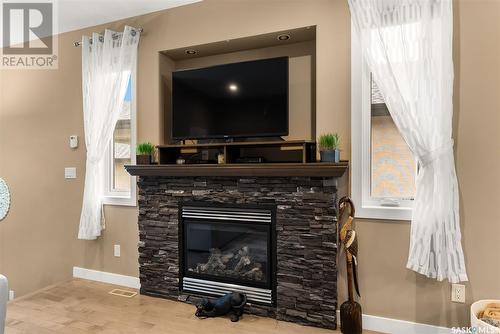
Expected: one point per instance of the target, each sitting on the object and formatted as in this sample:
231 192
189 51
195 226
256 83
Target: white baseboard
105 277
370 322
388 325
395 326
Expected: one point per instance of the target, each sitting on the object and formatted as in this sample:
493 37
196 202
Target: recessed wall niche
300 48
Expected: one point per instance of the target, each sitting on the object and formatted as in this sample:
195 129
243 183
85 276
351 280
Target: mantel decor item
145 152
329 147
221 158
231 303
350 311
4 199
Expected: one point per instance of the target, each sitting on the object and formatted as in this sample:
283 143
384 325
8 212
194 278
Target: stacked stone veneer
306 238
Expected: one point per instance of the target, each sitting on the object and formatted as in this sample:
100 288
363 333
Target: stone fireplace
273 238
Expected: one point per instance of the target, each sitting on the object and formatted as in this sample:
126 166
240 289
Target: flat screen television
248 99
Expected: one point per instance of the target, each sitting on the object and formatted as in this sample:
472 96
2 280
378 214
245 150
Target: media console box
294 151
295 158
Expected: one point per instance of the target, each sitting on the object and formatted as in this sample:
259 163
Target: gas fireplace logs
237 264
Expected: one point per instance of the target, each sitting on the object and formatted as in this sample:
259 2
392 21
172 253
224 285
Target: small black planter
143 159
330 155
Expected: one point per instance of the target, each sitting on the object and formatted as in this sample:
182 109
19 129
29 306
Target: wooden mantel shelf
318 169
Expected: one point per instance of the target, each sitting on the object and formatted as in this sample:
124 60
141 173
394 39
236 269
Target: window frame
123 198
366 205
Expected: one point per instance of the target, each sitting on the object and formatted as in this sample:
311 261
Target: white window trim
366 206
123 198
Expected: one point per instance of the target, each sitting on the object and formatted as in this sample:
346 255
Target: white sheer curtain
408 47
107 62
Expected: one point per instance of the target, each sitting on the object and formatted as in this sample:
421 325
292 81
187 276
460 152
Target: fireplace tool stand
350 310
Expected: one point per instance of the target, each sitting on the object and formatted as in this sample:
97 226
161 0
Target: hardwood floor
80 306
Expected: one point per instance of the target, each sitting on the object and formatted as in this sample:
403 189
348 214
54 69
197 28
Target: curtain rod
78 43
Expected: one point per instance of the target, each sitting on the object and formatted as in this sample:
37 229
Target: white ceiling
77 14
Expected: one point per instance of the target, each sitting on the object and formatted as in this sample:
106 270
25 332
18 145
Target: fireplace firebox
228 248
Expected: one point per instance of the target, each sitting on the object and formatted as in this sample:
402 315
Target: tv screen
248 99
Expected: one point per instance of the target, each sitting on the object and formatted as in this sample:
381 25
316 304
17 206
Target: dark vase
330 155
143 159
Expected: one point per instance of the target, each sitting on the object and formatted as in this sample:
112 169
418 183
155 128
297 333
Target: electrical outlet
458 293
117 250
11 294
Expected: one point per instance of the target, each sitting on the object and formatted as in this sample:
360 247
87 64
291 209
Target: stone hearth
306 238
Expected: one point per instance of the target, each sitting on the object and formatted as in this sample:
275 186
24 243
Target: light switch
70 173
117 251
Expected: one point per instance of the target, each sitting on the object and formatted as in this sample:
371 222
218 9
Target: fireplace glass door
232 251
230 246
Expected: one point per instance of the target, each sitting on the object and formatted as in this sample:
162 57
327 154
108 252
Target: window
392 163
383 167
120 186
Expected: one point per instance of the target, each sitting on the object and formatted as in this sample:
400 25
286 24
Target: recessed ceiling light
191 52
283 37
233 87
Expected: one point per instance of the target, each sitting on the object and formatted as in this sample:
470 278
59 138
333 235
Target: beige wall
40 109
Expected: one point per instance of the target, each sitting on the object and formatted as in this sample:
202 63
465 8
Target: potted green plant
145 153
329 147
